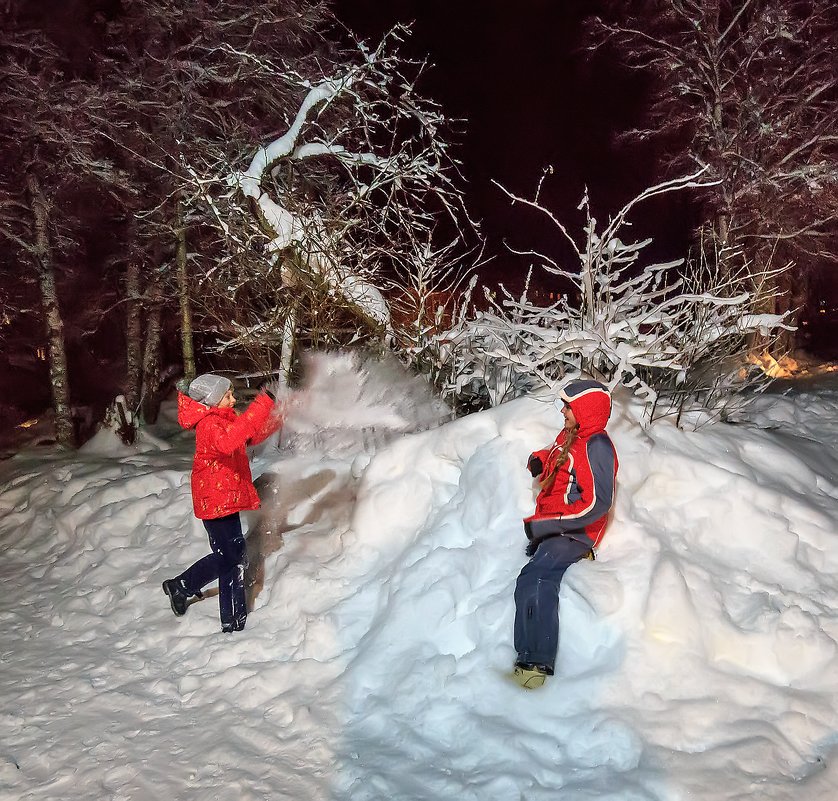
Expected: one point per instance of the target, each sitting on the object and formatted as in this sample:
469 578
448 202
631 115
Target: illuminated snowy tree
337 210
748 90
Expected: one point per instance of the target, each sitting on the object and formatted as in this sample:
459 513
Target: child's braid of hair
547 482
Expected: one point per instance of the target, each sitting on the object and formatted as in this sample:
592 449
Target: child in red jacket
577 476
221 488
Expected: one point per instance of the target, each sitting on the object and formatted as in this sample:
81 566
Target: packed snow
697 658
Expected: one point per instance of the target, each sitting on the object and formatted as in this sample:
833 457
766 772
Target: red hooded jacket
581 494
221 480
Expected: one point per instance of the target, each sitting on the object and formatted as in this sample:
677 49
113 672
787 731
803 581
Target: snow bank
697 658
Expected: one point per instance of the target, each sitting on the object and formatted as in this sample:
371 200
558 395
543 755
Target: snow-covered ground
698 655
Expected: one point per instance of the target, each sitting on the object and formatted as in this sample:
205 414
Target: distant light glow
785 367
788 367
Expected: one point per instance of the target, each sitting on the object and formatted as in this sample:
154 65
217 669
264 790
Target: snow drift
697 658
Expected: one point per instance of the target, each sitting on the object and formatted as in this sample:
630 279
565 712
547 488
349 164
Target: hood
590 402
190 412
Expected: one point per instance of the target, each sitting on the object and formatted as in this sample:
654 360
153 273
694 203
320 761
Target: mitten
535 466
532 547
269 388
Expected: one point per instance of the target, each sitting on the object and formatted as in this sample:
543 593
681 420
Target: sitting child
577 476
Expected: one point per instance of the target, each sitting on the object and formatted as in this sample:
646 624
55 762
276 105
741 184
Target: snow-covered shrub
676 332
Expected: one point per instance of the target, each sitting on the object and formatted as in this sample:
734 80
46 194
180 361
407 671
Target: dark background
528 95
524 94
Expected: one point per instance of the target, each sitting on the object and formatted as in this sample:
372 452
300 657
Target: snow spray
351 402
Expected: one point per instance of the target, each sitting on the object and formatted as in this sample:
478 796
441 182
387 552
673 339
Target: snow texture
698 653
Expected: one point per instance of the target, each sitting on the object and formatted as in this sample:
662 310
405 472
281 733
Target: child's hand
535 466
276 390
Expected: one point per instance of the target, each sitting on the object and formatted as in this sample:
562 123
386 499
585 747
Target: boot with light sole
530 677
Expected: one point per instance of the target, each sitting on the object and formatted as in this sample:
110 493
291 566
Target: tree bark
133 336
151 355
42 255
187 339
289 331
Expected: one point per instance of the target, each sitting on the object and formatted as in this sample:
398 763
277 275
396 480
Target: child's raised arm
227 438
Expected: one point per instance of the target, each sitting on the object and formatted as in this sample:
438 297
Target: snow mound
697 653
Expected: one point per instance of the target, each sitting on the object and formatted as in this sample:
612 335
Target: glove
269 388
535 466
532 547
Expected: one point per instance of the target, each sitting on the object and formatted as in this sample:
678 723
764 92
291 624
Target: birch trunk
187 339
289 329
133 336
54 322
151 355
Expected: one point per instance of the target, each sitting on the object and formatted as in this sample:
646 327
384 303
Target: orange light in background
786 367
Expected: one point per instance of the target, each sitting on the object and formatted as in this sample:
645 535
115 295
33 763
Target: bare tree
344 205
47 138
165 112
747 90
188 84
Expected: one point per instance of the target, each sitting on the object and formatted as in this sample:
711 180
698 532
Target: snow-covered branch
675 331
343 205
752 87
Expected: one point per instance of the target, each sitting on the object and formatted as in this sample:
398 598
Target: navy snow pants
537 599
226 563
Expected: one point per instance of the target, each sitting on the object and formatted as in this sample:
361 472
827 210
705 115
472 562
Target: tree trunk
289 328
133 336
801 291
151 355
59 379
794 287
187 339
769 297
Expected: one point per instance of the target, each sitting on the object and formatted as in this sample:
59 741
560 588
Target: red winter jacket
221 481
580 496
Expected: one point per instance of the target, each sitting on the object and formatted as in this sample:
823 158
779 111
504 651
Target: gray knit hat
209 388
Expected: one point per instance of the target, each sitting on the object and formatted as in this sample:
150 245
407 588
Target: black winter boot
178 596
236 625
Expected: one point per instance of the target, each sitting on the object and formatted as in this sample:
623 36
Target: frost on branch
675 332
332 216
747 89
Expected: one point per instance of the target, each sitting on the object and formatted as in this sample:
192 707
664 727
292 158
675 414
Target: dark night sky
531 97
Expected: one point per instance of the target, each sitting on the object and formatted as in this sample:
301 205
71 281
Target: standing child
577 477
221 488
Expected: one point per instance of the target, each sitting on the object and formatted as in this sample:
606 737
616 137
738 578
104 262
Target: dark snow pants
537 599
226 563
